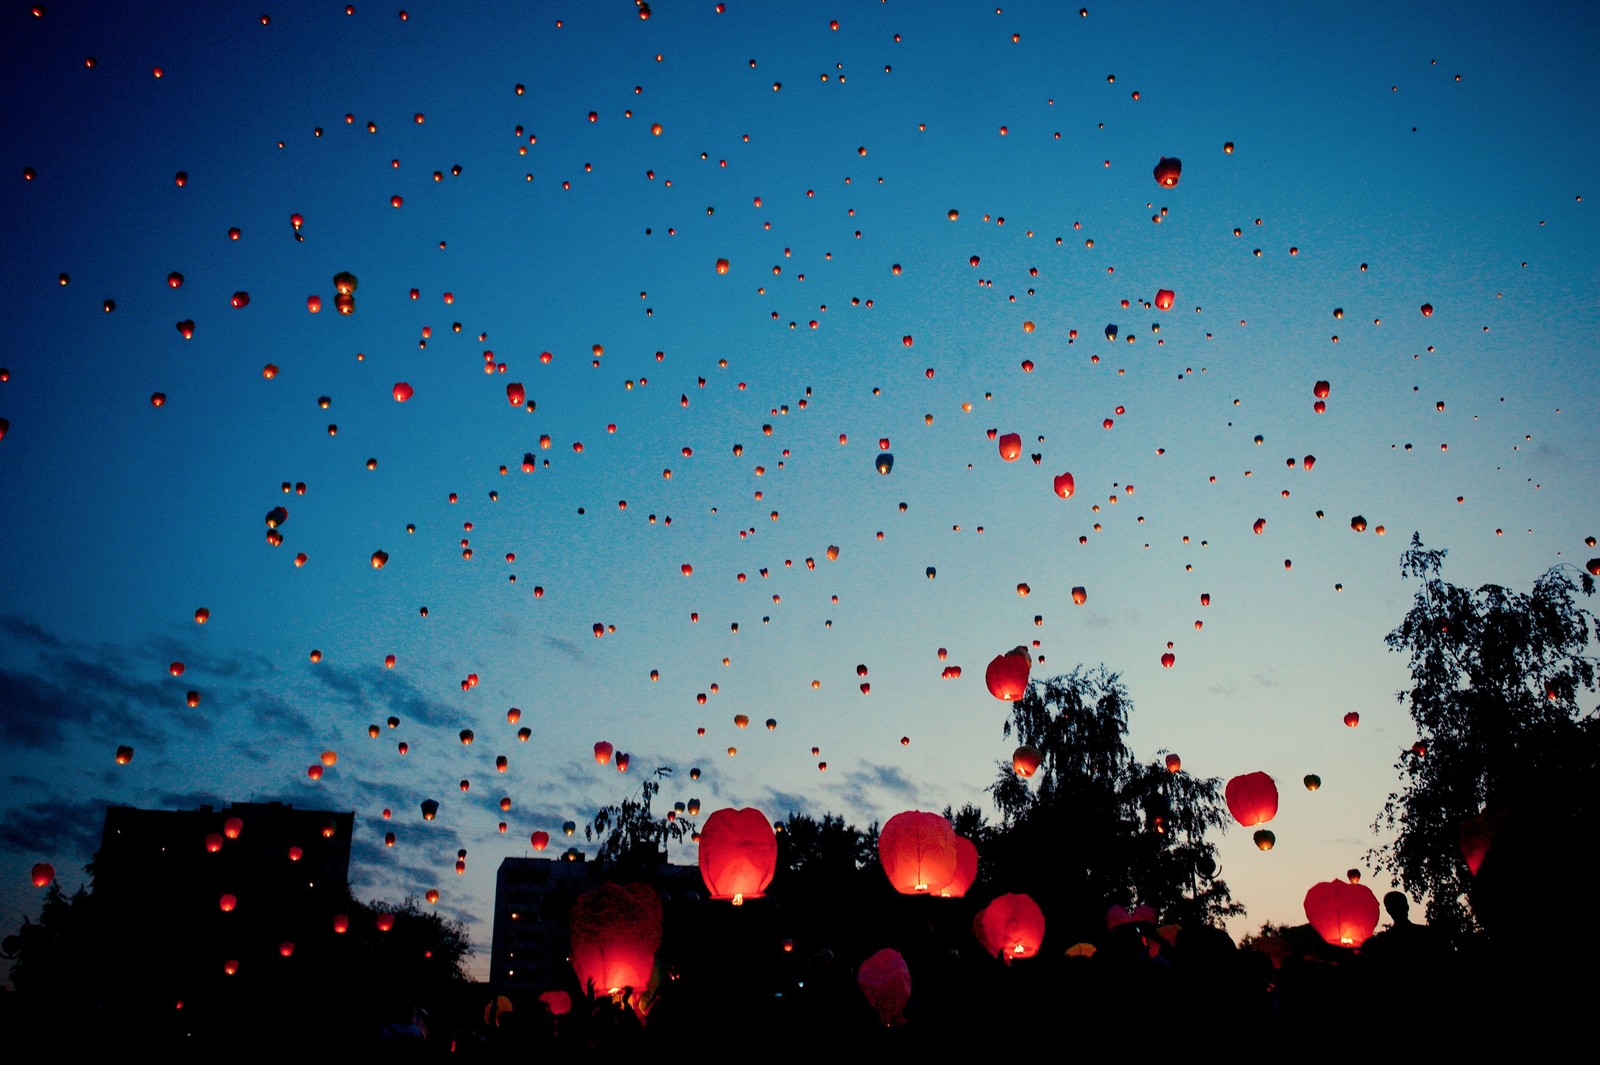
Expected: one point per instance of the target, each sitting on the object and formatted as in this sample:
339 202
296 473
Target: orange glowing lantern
1345 914
1025 761
1164 299
1007 675
1252 799
232 827
616 930
1064 485
738 854
1010 447
540 840
1167 172
43 873
1012 926
918 852
602 752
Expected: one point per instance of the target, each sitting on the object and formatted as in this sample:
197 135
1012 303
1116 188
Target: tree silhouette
1505 756
630 833
1095 827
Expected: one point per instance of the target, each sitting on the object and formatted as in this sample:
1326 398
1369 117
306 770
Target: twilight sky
932 214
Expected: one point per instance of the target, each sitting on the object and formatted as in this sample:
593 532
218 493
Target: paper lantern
1007 675
602 752
1065 485
1167 172
540 840
966 869
1012 926
43 873
1164 299
1025 761
738 854
1252 799
918 852
615 932
1010 447
886 983
1344 914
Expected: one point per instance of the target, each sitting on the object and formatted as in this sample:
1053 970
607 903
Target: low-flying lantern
1344 914
738 854
1012 926
918 852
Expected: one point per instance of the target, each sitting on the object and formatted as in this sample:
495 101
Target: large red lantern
602 752
1167 172
1025 761
1344 914
1252 799
886 983
1011 447
1007 675
738 854
1012 926
43 873
918 852
616 930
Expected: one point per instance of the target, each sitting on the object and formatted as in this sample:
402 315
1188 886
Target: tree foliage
630 832
1496 677
1111 830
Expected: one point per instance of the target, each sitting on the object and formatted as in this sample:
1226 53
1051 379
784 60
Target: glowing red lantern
886 983
602 752
1011 447
616 930
43 873
1025 761
1065 486
403 391
1343 913
918 852
540 840
385 922
1352 719
232 827
227 903
738 854
1164 299
516 395
1007 675
1167 172
1252 799
1012 926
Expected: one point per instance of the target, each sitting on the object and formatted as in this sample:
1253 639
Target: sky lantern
1312 782
1252 799
540 840
232 827
403 391
966 870
1011 447
1174 763
738 854
1427 310
1007 675
602 752
1167 172
616 930
884 463
43 873
385 922
918 852
430 809
1352 719
1065 485
516 395
885 981
1080 594
1025 761
1012 926
380 559
1164 299
1344 913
